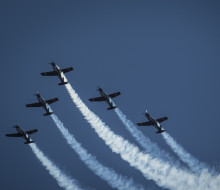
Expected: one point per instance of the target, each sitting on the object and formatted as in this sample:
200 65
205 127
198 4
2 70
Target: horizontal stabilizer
62 83
161 131
49 113
111 108
28 142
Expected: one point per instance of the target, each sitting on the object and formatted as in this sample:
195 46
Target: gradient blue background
162 55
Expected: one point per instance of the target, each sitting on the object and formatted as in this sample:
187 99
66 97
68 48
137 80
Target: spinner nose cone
98 88
37 94
145 112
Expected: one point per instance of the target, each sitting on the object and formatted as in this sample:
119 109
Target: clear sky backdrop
163 56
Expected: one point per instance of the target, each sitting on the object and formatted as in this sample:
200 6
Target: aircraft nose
99 88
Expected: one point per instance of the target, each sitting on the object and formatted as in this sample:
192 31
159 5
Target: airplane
105 97
58 72
154 122
23 134
43 103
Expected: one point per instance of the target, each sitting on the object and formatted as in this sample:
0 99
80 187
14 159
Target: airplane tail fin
62 83
111 108
28 142
161 131
49 113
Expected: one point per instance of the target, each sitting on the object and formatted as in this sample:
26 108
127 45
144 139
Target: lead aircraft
105 97
154 122
23 134
43 103
58 72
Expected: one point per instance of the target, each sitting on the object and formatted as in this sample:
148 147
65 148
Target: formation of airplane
105 97
23 134
154 122
58 72
43 103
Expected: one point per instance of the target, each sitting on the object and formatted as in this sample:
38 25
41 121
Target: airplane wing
51 100
162 119
148 123
14 135
114 94
51 73
34 105
97 99
31 131
67 70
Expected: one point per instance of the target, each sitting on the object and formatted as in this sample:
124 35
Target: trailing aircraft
23 134
105 97
154 122
58 72
43 103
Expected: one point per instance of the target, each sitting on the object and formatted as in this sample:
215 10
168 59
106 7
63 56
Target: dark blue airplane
105 97
58 72
154 122
43 103
23 134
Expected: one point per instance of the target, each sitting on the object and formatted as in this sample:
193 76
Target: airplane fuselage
156 124
103 94
58 71
41 100
23 134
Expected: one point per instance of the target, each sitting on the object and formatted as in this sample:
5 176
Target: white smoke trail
194 164
109 175
145 142
161 172
62 179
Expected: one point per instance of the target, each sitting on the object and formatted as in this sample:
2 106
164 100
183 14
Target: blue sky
161 56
